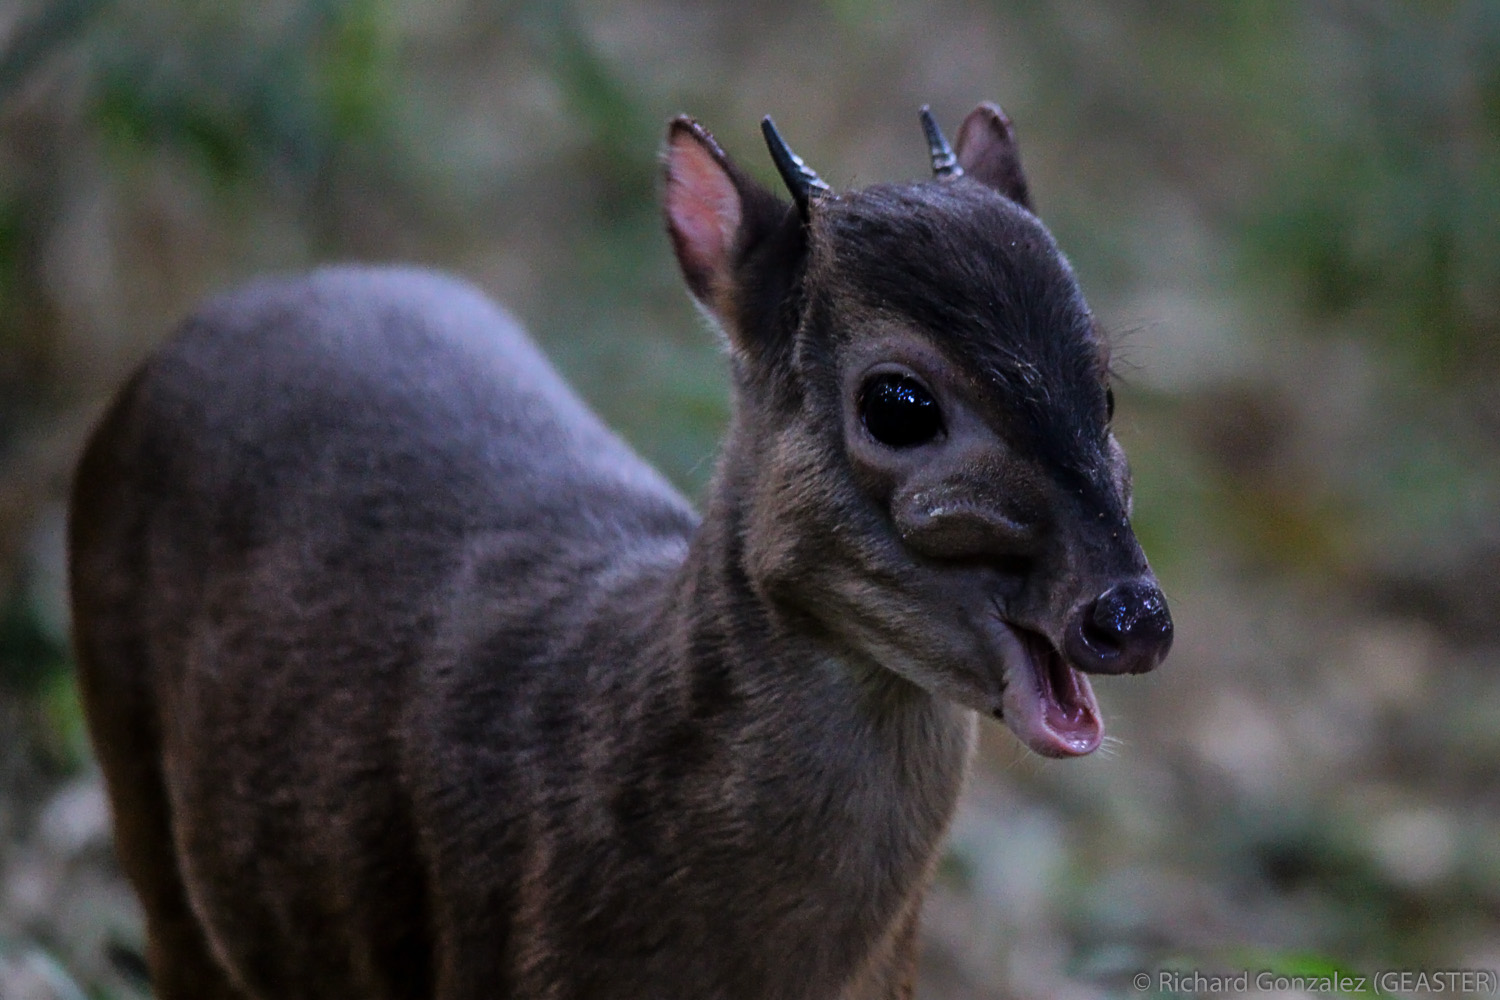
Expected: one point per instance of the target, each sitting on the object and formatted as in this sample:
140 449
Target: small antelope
410 680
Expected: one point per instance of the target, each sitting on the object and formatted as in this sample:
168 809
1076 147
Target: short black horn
799 177
944 161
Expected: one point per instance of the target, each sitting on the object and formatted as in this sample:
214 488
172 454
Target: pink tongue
1050 705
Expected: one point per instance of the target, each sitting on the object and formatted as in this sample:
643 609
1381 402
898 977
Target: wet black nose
1125 630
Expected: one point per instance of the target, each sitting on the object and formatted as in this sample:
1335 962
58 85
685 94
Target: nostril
1093 646
1101 629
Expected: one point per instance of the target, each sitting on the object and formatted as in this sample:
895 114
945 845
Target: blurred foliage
28 654
37 36
1390 203
245 96
601 105
1290 210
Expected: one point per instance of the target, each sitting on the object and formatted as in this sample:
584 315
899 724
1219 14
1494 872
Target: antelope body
410 680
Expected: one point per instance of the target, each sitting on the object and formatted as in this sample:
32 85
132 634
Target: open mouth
1047 703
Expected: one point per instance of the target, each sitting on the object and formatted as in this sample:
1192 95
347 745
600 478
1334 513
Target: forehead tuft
984 280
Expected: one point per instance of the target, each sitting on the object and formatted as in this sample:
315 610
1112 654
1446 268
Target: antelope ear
737 243
988 153
704 210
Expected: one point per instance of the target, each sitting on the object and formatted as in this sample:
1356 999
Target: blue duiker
409 679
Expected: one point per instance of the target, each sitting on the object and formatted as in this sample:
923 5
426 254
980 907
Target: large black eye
1109 403
899 412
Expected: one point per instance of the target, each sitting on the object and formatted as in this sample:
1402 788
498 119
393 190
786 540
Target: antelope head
921 459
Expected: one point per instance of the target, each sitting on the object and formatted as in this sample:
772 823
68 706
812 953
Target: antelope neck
837 710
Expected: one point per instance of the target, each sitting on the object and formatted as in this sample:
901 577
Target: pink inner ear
703 212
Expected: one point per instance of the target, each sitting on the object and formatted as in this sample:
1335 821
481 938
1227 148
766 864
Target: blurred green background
1288 215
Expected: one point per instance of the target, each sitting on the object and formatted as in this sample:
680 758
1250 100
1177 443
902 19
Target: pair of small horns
804 183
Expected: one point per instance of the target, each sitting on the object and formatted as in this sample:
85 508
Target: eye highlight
898 411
